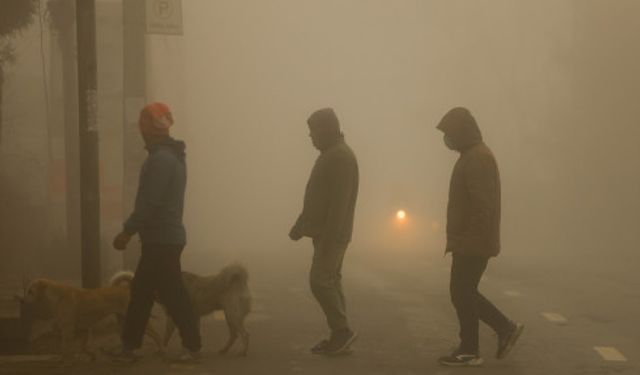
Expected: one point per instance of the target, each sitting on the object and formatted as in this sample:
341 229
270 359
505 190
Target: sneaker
189 356
461 360
340 342
508 340
122 355
320 347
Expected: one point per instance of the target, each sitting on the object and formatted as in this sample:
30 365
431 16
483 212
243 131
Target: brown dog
76 310
227 291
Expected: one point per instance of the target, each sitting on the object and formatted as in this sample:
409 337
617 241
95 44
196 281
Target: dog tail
235 279
235 274
121 278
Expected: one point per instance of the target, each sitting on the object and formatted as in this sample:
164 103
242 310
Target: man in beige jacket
473 237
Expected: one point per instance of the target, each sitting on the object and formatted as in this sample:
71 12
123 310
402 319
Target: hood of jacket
325 129
461 127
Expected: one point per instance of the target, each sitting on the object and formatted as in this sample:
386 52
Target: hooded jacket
473 211
159 205
330 196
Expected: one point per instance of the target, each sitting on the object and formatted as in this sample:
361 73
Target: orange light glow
401 215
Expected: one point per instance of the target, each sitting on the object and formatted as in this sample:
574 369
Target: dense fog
552 84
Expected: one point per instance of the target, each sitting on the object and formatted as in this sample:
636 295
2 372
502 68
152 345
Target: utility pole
88 137
62 16
135 93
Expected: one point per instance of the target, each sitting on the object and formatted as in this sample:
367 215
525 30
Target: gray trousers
326 283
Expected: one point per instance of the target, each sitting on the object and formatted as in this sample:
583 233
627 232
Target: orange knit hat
155 119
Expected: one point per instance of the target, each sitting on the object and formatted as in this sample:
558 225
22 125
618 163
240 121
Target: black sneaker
340 342
122 355
508 340
320 347
461 360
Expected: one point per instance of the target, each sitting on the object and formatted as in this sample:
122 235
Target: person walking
157 218
473 237
327 218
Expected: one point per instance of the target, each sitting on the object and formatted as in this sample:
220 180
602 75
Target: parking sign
164 17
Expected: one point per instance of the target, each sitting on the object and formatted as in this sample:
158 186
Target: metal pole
88 136
134 88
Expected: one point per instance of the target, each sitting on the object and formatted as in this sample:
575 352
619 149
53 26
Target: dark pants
470 305
159 274
326 283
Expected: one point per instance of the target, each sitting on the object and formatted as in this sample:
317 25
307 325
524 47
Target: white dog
227 291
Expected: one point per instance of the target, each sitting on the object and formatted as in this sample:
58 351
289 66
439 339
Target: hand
295 233
121 241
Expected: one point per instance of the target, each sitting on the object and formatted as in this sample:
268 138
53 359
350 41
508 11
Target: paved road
401 309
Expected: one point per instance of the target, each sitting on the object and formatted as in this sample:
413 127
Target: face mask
448 141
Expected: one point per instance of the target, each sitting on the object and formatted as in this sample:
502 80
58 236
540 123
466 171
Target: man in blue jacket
157 219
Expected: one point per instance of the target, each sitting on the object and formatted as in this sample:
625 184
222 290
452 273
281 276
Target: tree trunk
1 90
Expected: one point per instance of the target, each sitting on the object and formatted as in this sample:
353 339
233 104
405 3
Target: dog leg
244 336
155 336
84 339
68 338
66 324
168 330
198 319
235 321
120 323
233 335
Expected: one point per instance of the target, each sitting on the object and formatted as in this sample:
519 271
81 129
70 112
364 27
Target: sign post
164 17
134 98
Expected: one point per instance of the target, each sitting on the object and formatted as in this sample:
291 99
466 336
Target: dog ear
36 289
40 287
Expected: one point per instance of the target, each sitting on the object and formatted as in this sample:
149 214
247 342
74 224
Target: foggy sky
551 83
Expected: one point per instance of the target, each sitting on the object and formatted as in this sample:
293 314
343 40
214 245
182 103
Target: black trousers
470 305
159 274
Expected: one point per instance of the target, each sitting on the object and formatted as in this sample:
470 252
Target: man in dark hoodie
473 236
327 218
157 219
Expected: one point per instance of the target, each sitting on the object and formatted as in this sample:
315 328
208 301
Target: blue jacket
157 217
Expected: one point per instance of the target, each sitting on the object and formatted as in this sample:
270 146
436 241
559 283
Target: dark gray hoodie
332 190
157 217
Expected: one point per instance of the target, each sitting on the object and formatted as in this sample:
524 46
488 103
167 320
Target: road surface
402 311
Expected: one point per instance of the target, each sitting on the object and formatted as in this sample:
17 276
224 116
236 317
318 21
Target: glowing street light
401 215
